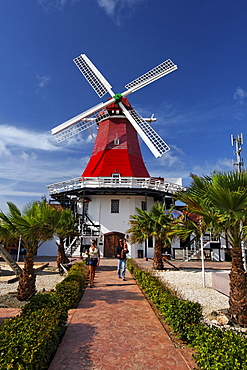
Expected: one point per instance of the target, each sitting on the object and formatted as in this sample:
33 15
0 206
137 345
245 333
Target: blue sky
197 107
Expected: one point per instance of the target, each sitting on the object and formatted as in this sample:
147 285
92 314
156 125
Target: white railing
149 183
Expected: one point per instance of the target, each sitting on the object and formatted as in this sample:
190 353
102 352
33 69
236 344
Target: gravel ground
45 280
189 285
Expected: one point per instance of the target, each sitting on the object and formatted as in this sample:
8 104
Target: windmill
115 107
115 180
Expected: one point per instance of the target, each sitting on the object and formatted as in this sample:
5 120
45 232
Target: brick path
114 327
6 313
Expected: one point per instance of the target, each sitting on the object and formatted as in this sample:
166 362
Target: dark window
143 206
114 206
86 208
150 242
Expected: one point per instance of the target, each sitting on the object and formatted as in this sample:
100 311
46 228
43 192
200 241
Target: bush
28 341
70 290
41 300
219 349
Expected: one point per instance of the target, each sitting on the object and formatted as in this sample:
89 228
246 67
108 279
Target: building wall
99 211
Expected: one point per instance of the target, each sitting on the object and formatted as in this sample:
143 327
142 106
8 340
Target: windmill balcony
149 183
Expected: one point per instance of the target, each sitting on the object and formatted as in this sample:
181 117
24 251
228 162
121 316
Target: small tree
35 225
151 223
221 202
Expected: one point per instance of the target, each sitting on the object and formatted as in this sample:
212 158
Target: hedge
215 348
28 341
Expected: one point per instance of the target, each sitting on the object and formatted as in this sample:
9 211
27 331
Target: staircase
71 248
90 228
7 258
197 250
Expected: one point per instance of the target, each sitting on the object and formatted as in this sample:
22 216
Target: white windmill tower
115 180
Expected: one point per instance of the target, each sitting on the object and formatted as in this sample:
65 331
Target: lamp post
238 141
19 248
202 256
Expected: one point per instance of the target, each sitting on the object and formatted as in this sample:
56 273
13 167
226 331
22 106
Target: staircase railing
197 250
70 249
89 227
7 257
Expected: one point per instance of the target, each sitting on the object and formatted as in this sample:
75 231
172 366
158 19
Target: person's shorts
92 261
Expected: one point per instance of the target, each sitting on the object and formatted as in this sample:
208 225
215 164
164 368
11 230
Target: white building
104 206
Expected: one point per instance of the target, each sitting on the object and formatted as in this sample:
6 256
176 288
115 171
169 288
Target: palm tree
148 224
35 225
66 227
221 202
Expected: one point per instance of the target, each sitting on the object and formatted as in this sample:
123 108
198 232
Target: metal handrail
150 183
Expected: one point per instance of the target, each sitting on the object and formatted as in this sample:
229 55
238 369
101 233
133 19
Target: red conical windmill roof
116 149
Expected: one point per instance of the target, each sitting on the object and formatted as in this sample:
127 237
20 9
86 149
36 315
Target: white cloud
170 159
3 150
51 4
12 136
21 193
108 5
43 81
117 9
240 94
206 168
30 160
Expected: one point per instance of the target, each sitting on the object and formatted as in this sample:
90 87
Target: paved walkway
114 327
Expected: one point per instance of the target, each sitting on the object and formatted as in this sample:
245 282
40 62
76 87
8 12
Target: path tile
114 327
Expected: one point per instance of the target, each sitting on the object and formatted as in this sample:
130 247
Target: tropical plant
66 227
221 202
35 225
154 223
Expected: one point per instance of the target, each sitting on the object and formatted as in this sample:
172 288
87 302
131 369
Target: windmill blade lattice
98 82
77 124
81 125
161 70
155 139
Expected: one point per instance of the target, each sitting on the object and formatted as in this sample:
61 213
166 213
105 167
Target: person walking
121 251
93 261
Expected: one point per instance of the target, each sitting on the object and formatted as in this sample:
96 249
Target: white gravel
45 279
189 285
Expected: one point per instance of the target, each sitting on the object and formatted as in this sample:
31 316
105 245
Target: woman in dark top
93 261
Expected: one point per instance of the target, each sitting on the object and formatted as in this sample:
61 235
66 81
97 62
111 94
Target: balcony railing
149 183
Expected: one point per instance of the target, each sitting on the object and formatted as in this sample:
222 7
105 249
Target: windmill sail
98 82
153 141
151 76
81 125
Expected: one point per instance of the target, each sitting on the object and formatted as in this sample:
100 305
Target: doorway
110 243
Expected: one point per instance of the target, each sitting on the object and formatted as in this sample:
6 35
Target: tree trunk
238 288
61 256
158 261
26 288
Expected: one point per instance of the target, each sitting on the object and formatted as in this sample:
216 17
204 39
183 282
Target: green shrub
220 349
28 341
69 293
70 290
41 300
